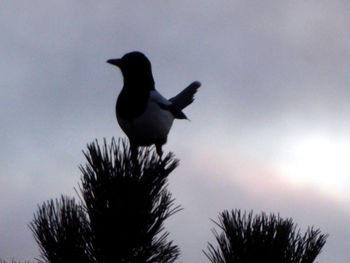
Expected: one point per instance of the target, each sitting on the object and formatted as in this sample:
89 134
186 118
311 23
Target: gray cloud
270 71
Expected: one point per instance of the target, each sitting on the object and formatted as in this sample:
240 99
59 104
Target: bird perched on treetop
142 112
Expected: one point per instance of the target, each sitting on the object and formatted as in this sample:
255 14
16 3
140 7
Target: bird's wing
165 104
156 97
186 97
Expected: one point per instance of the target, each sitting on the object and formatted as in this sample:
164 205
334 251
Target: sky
269 128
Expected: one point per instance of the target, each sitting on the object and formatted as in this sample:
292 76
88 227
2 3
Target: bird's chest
131 104
152 125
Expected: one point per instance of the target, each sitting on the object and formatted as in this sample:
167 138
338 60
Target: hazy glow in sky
321 162
269 127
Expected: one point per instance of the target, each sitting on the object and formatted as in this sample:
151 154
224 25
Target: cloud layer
271 72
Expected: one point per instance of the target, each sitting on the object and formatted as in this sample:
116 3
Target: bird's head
134 66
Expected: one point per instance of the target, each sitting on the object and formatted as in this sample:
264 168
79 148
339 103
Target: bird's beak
115 61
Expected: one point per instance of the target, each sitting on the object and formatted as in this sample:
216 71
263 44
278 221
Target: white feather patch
153 124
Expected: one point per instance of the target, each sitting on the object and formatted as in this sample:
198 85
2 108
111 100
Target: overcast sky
269 128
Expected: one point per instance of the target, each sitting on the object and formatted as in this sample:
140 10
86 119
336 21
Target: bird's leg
159 150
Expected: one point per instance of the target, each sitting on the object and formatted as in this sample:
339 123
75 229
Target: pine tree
62 231
120 218
121 212
262 238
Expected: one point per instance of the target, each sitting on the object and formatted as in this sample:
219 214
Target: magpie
142 112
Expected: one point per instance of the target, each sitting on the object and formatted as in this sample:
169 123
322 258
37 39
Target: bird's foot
159 151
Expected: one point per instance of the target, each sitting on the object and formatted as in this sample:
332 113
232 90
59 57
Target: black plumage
142 112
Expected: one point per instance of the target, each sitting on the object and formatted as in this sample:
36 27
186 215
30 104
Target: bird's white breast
154 124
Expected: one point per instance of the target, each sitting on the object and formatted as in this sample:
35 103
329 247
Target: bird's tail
186 97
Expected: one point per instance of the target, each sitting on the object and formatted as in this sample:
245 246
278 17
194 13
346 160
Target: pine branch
127 203
262 238
124 203
61 229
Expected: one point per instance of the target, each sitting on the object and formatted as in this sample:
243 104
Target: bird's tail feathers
186 97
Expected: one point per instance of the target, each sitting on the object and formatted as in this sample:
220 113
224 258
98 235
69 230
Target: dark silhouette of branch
127 203
246 239
124 203
61 230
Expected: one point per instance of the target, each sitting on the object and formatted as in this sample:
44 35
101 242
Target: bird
142 112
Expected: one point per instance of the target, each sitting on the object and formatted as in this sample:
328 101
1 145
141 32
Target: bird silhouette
142 112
